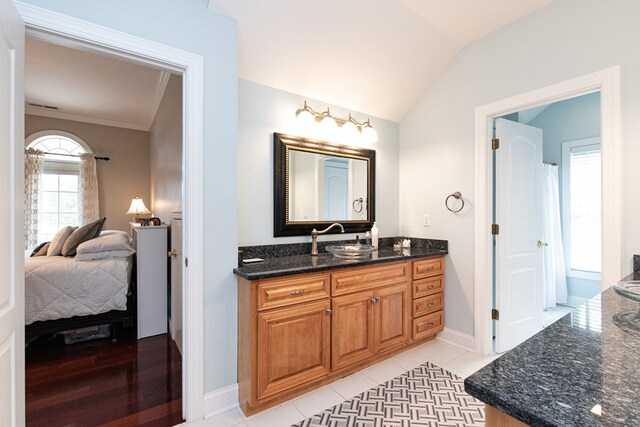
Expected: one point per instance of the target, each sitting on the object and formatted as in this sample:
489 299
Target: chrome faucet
314 236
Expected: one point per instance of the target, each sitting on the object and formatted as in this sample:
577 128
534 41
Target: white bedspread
58 287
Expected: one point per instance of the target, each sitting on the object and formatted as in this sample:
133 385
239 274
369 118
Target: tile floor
452 358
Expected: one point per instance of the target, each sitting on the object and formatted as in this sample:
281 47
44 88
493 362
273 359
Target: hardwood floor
124 383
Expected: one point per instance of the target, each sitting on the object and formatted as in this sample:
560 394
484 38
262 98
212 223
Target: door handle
172 253
541 244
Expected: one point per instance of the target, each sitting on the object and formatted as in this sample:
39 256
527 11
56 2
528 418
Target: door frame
61 29
606 81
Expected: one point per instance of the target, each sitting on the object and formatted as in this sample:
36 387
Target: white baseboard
221 400
464 341
574 301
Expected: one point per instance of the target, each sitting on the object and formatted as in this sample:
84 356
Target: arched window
59 204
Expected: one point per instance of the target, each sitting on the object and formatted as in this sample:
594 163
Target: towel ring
359 203
458 196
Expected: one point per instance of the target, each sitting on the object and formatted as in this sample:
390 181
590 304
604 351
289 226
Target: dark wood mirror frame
282 225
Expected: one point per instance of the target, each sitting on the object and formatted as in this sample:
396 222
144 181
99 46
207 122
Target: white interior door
175 320
518 259
11 216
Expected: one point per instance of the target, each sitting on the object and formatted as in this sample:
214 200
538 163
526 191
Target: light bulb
369 134
349 131
304 118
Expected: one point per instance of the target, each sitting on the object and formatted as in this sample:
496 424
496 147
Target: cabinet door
391 317
293 347
352 329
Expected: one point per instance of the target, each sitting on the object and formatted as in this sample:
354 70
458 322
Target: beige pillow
82 234
57 243
42 251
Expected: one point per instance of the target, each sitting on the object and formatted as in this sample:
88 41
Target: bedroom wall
121 178
166 152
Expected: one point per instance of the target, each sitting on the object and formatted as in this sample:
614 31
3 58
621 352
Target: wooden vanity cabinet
298 332
428 297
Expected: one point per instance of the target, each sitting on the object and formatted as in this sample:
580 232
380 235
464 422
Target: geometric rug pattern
425 396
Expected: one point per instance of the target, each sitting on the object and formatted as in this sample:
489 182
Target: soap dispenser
374 234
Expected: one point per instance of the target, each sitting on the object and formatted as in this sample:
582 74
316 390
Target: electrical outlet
426 221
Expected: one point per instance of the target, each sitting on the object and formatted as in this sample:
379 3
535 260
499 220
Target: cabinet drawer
428 304
428 325
428 267
428 286
368 277
281 292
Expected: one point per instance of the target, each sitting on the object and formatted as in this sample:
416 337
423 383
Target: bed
93 288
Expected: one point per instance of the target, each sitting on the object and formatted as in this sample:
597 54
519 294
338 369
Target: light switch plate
426 221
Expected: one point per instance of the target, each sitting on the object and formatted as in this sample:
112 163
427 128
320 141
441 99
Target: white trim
55 132
458 339
72 32
221 400
608 83
163 81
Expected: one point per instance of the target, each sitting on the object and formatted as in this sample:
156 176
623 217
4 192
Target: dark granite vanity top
290 262
582 365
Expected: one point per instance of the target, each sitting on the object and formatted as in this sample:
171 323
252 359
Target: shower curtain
555 281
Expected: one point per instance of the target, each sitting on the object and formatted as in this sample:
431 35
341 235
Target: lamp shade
137 207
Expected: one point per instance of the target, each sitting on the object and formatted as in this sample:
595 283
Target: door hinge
495 143
495 314
495 229
186 262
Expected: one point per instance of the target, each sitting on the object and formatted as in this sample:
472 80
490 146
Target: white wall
191 26
120 179
166 153
564 40
265 110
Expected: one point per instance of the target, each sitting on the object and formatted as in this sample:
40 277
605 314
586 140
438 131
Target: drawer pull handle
430 325
375 300
430 268
298 292
430 304
430 287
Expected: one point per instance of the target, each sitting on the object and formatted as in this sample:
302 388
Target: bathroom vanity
306 321
579 371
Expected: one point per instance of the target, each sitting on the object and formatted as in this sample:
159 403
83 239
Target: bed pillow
41 249
58 241
82 234
109 240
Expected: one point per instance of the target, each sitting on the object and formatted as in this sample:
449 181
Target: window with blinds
582 207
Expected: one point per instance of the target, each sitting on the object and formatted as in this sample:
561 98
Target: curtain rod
549 163
105 158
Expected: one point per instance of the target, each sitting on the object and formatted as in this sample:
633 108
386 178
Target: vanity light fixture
350 126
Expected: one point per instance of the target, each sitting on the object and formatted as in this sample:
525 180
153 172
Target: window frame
567 146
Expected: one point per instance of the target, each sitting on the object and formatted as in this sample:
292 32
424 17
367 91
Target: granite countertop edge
330 264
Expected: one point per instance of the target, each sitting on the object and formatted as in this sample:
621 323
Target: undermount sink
358 251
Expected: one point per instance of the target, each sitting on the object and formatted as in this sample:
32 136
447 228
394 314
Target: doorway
49 26
608 83
547 169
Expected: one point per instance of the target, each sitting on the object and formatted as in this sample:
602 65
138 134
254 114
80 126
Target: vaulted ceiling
372 56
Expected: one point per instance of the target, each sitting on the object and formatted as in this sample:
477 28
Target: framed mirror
317 183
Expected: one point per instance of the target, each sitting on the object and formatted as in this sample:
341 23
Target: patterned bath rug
425 396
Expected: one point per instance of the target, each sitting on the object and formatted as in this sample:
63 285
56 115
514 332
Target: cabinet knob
430 287
429 268
172 253
328 311
375 300
429 325
298 292
430 304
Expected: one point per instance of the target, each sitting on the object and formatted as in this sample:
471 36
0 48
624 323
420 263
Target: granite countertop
297 264
560 375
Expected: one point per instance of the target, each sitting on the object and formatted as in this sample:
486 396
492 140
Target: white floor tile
317 401
409 359
239 425
353 385
468 363
229 418
280 416
383 371
439 352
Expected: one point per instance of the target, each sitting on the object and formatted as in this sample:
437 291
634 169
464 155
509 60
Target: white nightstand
151 278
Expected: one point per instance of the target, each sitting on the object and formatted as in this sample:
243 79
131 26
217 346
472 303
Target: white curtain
33 167
88 191
555 281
